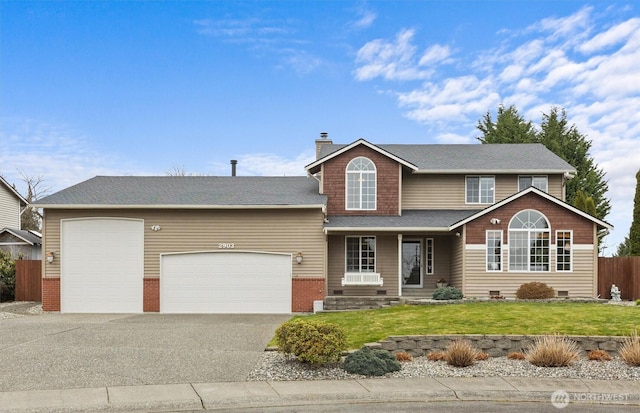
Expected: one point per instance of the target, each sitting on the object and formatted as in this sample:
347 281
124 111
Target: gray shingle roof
434 218
27 236
474 158
200 191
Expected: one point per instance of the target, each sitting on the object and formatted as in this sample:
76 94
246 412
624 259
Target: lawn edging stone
495 345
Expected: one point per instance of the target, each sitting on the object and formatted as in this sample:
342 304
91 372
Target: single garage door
101 265
225 282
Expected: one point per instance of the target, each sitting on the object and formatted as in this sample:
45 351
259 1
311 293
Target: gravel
280 367
17 309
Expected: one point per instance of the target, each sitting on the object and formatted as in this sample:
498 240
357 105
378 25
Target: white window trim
532 177
346 186
493 198
426 256
486 249
509 230
375 256
571 250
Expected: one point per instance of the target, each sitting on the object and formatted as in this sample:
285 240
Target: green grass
486 318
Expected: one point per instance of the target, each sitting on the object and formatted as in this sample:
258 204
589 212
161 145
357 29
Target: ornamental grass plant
552 351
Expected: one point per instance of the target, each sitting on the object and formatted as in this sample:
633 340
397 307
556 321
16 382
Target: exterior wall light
50 257
299 258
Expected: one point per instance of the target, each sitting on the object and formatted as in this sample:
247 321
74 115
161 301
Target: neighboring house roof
456 158
29 237
410 220
11 189
599 222
187 192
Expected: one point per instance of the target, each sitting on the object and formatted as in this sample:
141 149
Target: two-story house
367 220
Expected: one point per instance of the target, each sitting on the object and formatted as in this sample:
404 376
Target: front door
412 263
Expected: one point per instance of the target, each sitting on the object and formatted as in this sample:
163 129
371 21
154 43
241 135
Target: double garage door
102 271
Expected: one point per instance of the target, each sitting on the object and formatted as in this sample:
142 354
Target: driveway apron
57 351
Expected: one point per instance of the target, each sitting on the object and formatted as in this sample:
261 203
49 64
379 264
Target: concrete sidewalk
200 396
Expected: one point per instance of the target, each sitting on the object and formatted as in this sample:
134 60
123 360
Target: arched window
529 234
361 184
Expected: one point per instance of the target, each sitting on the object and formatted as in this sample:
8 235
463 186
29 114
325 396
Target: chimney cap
324 135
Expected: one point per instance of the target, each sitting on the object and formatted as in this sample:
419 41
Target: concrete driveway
57 351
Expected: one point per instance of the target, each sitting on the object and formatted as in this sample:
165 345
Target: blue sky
139 88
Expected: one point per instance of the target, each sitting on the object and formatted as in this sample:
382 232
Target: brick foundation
51 294
151 295
304 292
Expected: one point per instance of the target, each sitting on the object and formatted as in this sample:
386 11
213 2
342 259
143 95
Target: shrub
460 353
516 355
371 362
447 293
552 351
599 355
481 355
312 342
403 356
435 356
7 277
535 291
638 301
630 350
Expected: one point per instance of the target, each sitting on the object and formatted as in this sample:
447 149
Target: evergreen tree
509 127
569 144
634 232
624 248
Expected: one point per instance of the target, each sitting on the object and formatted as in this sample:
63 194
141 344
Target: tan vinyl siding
386 265
424 191
579 282
287 231
9 209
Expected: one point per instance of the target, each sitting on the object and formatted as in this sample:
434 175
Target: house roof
30 237
188 192
599 222
12 190
456 158
410 220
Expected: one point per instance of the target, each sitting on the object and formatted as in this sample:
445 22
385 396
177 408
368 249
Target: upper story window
537 181
480 189
529 248
361 184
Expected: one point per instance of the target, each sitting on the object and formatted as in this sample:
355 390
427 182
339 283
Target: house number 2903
226 245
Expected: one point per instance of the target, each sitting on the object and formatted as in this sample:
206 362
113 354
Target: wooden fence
28 280
624 272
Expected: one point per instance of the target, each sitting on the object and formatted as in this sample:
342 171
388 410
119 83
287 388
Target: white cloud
366 19
53 152
267 164
390 60
613 36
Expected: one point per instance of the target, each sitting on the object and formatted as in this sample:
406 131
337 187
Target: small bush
403 356
311 342
371 362
7 277
481 355
638 301
630 350
599 355
435 356
447 293
552 351
535 291
516 355
460 353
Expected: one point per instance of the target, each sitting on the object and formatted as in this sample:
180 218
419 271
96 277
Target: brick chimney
324 140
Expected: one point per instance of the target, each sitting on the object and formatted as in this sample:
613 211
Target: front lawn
486 318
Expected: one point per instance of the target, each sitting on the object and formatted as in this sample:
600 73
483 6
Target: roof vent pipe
233 167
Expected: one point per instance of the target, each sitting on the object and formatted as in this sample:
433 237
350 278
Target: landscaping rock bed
277 366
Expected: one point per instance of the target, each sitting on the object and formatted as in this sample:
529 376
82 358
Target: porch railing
361 278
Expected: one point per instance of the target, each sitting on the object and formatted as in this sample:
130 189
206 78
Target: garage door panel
102 265
226 282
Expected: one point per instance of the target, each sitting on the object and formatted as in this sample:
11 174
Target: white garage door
101 265
225 282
